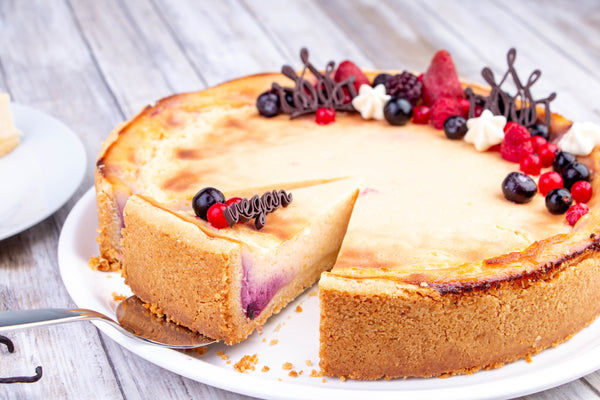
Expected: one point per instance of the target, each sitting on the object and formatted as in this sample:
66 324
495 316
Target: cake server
135 321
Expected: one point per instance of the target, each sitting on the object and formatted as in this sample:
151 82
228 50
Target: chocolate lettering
257 208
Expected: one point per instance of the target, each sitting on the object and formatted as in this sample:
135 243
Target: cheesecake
10 136
426 269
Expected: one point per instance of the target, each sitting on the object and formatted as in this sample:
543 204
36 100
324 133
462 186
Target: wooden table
95 63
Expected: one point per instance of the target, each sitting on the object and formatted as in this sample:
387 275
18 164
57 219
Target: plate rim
72 182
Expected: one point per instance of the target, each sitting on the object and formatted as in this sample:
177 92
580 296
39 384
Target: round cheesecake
432 270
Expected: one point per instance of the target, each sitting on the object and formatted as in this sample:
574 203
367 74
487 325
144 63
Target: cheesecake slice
9 134
226 282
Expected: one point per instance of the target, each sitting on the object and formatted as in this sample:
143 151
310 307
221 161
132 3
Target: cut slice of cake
9 134
224 283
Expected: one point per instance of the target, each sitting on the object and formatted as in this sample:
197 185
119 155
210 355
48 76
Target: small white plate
41 174
292 336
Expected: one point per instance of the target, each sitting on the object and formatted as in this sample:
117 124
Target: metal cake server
135 321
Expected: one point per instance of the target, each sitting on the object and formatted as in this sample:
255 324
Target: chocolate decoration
306 98
501 103
257 208
19 379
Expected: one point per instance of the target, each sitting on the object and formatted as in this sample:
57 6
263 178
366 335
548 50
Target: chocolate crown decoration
307 98
257 207
521 107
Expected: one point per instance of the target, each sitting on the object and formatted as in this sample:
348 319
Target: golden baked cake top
427 203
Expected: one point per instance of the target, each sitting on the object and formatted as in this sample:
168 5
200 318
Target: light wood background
95 63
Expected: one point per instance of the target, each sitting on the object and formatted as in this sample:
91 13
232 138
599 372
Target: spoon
135 321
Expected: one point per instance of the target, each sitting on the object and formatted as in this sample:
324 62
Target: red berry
215 216
547 154
420 78
421 115
324 116
581 191
477 111
346 69
548 181
531 164
233 200
441 80
575 212
538 142
466 105
442 109
516 143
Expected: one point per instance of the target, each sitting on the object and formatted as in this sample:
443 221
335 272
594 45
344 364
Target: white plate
297 336
41 174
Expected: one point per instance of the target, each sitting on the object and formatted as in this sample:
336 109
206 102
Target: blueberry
562 159
518 187
268 104
558 201
455 127
381 79
540 130
206 198
397 111
574 172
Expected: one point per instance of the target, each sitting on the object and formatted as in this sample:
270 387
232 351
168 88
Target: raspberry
548 181
441 80
421 115
547 154
581 191
531 164
516 143
346 69
575 212
324 116
442 109
406 86
215 216
538 142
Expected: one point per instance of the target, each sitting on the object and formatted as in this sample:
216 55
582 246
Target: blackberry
381 79
405 86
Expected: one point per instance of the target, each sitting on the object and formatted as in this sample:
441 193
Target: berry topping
442 109
516 144
324 116
215 216
421 115
540 130
562 159
381 79
406 86
558 201
268 104
575 212
547 154
204 199
538 142
581 191
531 164
518 187
397 111
346 69
455 127
233 200
441 80
548 181
478 111
465 104
575 172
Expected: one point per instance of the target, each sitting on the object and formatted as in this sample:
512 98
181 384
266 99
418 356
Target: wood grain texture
93 64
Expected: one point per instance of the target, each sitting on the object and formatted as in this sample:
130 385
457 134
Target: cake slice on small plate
226 282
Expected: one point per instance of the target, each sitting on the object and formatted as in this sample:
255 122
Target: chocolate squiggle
19 379
257 208
306 97
520 108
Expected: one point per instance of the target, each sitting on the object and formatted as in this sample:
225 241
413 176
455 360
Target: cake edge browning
377 328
